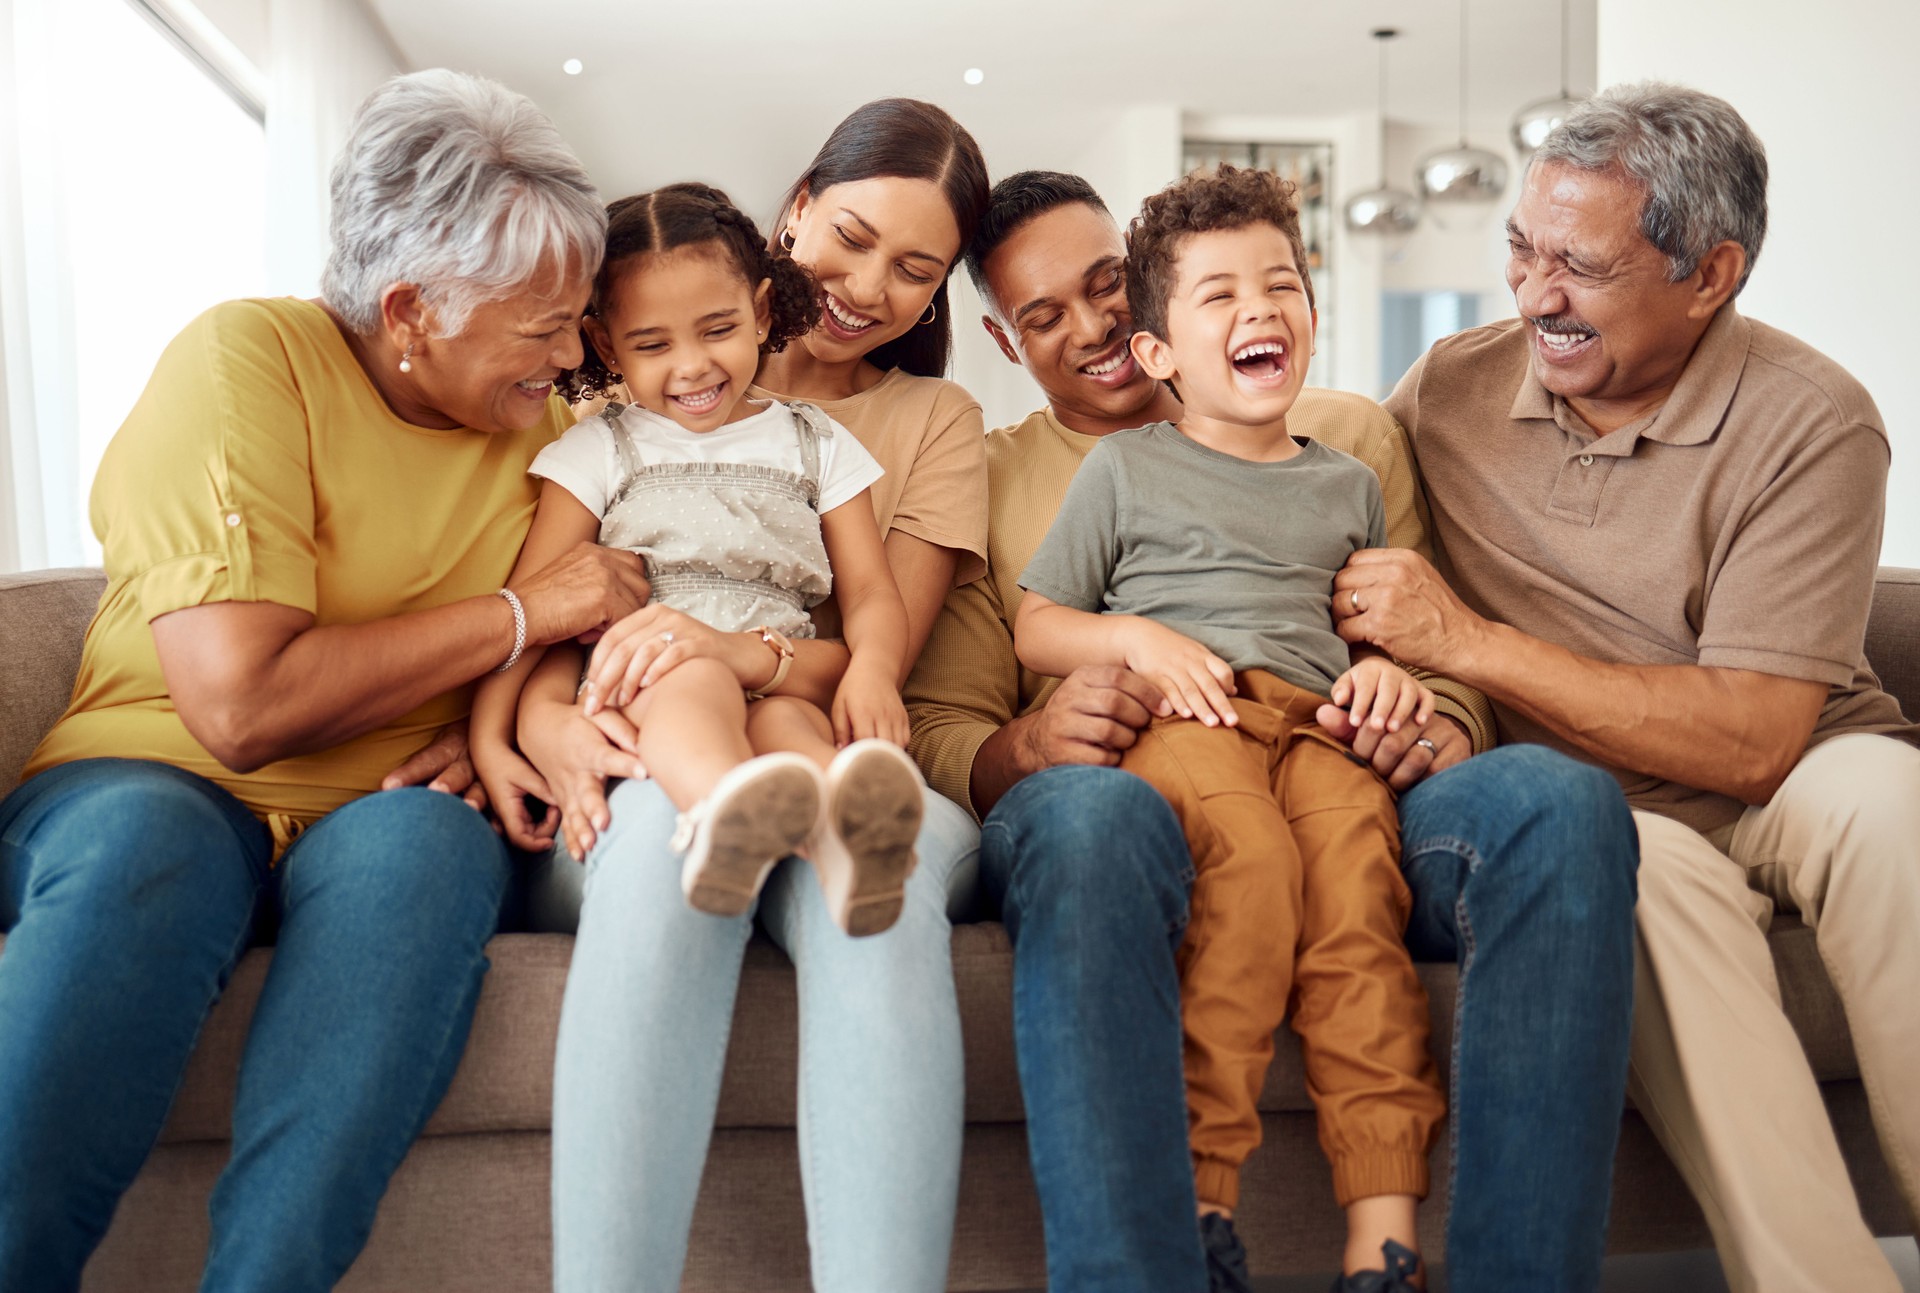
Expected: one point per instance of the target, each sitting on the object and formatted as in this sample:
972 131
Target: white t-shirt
584 463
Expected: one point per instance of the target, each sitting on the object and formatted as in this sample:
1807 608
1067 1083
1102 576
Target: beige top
968 682
1738 526
928 434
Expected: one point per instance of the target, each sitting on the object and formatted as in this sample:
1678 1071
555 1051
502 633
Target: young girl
748 512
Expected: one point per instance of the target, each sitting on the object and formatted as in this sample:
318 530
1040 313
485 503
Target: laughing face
1059 285
497 373
880 248
1610 333
683 329
1239 327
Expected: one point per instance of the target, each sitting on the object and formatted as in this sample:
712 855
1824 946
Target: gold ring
1353 599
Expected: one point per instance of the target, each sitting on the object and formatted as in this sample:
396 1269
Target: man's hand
1392 598
1093 717
1400 756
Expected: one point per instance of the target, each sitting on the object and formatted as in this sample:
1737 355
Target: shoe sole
875 807
759 822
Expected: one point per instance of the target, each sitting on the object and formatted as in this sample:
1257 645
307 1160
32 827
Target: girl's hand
867 704
509 779
575 757
445 765
1378 693
1195 680
645 646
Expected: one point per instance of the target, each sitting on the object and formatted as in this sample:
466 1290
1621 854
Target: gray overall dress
734 545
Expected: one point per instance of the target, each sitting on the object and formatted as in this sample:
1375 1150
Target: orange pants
1297 901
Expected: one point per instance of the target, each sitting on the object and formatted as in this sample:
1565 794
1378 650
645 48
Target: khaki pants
1297 893
1716 1068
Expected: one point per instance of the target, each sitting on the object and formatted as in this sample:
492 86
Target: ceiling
742 92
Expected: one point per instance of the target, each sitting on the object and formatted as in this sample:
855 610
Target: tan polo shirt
968 682
1738 526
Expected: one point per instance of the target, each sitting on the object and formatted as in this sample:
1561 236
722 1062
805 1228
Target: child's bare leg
1371 1222
693 729
789 724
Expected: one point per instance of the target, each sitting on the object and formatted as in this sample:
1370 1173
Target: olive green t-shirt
1237 555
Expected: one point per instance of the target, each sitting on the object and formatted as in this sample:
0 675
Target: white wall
1832 95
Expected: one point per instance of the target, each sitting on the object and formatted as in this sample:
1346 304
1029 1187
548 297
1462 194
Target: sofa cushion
45 620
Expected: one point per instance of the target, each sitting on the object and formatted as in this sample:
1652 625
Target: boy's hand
508 779
867 704
1195 680
1379 694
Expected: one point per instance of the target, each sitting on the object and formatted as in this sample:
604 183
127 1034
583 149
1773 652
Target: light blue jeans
643 1041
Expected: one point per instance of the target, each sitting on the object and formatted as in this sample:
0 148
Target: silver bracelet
519 629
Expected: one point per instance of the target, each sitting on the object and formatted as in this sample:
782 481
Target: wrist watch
782 647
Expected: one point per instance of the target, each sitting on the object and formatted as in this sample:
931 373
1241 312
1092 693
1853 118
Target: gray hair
460 186
1702 168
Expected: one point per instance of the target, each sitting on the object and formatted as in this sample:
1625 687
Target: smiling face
496 374
880 248
1239 327
1059 287
1610 333
683 328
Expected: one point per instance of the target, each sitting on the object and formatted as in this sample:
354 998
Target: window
142 186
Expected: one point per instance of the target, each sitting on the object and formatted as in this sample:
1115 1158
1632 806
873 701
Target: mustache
1562 324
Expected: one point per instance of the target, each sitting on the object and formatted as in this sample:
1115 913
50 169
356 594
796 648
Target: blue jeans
643 1042
129 891
1091 873
1522 865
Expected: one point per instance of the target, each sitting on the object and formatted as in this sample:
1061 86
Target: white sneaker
755 815
863 852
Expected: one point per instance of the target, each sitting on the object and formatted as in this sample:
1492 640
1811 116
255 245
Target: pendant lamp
1533 123
1464 180
1380 210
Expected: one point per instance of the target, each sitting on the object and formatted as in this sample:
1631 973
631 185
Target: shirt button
233 518
1586 460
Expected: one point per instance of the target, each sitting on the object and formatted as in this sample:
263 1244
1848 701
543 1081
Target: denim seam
1464 850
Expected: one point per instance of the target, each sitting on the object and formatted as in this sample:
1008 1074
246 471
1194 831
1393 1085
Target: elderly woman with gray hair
308 519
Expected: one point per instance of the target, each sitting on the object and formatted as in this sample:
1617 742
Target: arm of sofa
1893 636
43 620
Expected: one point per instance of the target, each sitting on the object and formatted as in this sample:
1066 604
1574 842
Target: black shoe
1226 1259
1402 1266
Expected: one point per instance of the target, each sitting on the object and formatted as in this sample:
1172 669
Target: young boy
1202 556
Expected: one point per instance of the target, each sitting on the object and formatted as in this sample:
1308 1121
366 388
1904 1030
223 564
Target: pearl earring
406 361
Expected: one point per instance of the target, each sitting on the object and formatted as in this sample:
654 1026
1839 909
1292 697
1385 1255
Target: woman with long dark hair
880 217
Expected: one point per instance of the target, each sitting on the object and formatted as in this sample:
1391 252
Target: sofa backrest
44 617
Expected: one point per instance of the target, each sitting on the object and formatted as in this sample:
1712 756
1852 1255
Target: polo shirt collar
1691 415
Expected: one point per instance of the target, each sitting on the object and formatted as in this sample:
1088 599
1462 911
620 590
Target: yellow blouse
261 465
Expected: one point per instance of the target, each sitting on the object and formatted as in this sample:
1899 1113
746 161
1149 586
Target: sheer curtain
137 188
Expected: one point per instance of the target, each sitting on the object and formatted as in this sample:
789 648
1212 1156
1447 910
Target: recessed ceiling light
573 67
973 76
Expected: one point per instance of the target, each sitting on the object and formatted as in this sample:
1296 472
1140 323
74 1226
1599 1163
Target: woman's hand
868 704
1195 680
444 764
1378 694
583 591
573 753
645 646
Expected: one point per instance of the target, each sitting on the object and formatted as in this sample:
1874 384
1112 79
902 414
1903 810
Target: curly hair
1229 197
688 215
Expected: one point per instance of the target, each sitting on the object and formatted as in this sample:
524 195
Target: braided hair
686 215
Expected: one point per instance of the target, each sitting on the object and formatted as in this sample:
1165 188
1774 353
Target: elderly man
1520 860
1662 521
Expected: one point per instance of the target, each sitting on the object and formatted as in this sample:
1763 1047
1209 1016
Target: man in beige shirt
1659 523
1520 860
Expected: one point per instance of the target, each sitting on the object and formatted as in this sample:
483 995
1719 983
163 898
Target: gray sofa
468 1209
